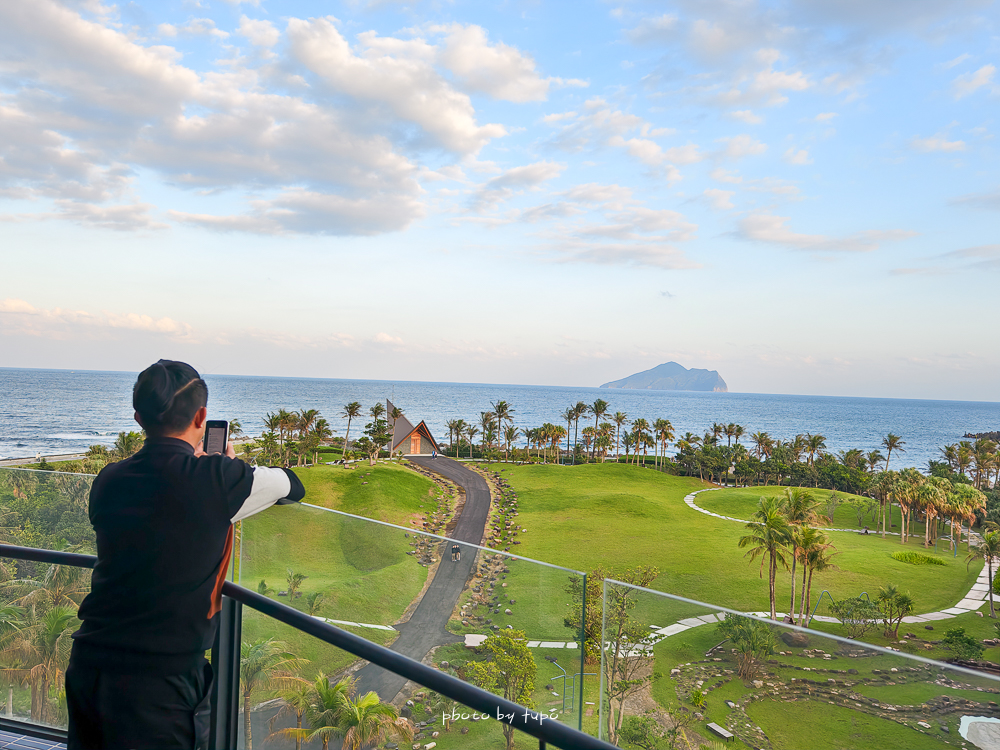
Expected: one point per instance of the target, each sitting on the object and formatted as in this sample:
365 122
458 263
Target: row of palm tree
783 533
980 458
323 709
934 498
287 434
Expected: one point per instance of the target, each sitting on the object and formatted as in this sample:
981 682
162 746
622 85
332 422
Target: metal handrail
523 719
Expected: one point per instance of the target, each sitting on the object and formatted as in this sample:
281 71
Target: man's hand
199 450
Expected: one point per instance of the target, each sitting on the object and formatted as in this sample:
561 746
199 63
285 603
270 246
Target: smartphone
216 435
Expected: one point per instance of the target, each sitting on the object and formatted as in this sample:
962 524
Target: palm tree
294 581
265 664
989 550
459 429
599 408
322 433
892 443
307 418
40 644
350 411
933 497
816 557
568 415
578 411
503 412
620 419
738 432
664 434
768 537
295 699
799 508
510 434
368 722
452 426
815 445
874 459
640 429
326 709
487 423
762 444
470 432
376 411
313 603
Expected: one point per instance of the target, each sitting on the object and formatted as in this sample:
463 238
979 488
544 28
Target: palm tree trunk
989 569
791 605
802 595
10 701
808 598
298 735
246 721
772 572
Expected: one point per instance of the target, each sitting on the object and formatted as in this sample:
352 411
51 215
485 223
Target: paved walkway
426 627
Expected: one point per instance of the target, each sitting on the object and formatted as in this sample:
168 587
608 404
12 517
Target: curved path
969 603
426 627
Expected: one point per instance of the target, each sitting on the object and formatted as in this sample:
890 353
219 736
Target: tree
620 419
966 647
626 640
295 699
892 443
510 435
664 434
265 664
642 732
349 412
127 444
314 602
470 432
39 642
599 408
374 440
326 709
753 640
368 722
799 509
509 672
322 433
988 549
857 615
504 413
769 534
579 410
294 581
894 606
568 415
815 555
263 589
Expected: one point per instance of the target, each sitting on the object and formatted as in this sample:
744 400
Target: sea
58 412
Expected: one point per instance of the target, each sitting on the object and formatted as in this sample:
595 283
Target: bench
717 730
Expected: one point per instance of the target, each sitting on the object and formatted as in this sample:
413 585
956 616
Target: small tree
642 732
965 647
510 672
264 665
294 581
753 640
894 606
857 615
314 603
988 549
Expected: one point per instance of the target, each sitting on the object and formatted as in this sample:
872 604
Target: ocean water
62 411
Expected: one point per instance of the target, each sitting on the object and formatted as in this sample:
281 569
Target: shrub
915 558
965 647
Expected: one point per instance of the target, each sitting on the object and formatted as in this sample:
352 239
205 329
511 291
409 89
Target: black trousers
111 711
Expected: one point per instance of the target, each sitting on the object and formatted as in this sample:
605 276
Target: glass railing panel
689 672
411 591
39 601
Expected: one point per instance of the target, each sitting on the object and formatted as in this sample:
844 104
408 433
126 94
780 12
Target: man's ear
200 417
139 421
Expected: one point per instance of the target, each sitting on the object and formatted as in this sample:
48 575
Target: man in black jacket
137 676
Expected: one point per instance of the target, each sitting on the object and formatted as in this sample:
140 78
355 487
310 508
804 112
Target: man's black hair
167 395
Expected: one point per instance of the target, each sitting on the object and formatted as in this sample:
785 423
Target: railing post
226 688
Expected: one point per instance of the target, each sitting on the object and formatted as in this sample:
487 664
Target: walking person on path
137 676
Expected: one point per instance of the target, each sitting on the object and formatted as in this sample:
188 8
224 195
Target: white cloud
19 317
990 201
825 116
394 75
797 156
740 146
771 229
504 186
720 200
936 143
592 193
499 70
970 83
956 61
260 33
747 116
654 30
723 176
642 254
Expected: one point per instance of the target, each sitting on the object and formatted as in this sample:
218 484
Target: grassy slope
585 516
362 569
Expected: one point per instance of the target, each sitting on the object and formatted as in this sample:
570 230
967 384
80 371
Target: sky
801 194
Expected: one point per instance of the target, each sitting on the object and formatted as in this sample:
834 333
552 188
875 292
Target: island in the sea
672 377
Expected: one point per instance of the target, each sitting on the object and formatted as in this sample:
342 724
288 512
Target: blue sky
803 195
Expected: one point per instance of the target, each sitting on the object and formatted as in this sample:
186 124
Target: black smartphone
216 435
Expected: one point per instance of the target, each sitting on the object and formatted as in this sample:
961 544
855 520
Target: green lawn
616 515
361 568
